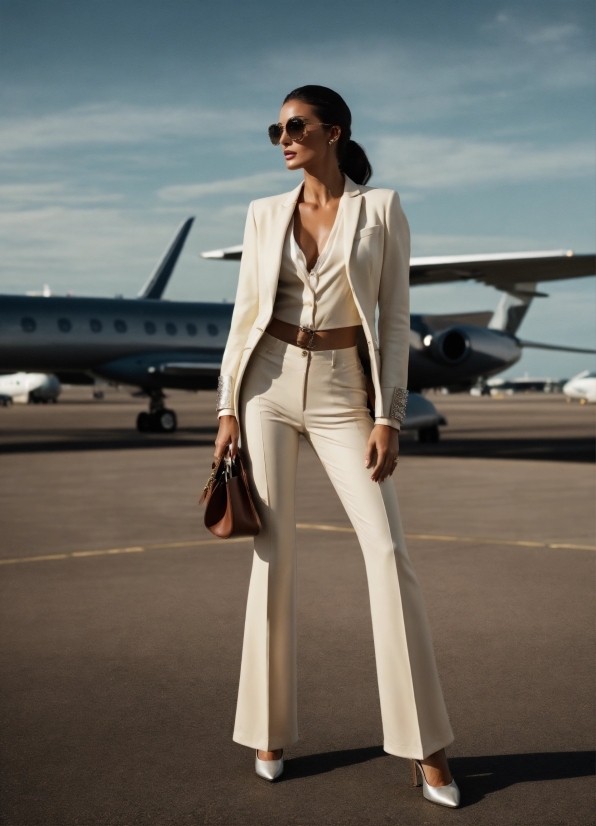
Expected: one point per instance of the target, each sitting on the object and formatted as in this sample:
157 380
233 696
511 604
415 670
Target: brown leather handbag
229 507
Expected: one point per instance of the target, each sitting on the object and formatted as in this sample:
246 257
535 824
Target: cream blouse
322 298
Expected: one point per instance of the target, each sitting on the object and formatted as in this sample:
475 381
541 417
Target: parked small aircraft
28 387
155 345
582 386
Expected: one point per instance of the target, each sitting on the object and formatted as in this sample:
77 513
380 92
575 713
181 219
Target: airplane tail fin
513 306
158 280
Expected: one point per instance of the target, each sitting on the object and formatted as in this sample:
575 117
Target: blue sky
118 120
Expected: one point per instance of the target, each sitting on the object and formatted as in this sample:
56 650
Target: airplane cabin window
120 326
150 328
191 329
95 325
171 329
64 325
29 325
212 329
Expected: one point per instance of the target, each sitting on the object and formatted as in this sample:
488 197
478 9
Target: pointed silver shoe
443 795
269 769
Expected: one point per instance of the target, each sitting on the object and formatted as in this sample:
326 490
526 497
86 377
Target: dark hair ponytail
355 163
331 108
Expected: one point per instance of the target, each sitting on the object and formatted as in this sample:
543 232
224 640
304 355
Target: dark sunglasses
295 130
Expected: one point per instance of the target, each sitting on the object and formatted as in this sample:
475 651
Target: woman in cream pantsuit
316 264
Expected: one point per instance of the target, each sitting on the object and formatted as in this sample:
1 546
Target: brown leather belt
336 339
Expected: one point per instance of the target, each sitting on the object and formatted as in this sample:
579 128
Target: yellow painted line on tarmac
476 540
305 526
308 527
135 550
132 550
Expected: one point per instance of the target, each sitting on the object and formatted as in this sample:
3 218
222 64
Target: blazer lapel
280 220
352 206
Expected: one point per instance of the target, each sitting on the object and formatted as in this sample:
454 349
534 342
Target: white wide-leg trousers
286 392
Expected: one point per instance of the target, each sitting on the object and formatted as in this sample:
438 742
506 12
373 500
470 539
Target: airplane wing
540 346
502 270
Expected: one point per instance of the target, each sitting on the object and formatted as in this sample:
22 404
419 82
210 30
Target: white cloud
249 184
553 34
442 244
395 80
14 195
103 250
427 162
117 124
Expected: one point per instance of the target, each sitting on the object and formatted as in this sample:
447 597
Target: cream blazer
377 251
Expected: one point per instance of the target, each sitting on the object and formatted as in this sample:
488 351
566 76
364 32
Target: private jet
38 388
582 387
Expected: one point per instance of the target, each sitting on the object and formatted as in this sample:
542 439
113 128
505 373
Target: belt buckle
311 332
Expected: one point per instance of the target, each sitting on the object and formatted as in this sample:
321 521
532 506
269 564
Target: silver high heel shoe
269 769
443 795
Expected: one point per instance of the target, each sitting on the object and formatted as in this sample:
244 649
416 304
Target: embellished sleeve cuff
224 393
399 401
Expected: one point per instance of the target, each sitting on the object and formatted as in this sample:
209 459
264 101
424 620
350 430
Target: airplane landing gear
159 419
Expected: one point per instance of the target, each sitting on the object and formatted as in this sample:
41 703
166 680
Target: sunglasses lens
295 129
275 132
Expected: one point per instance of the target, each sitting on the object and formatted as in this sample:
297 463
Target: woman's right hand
228 434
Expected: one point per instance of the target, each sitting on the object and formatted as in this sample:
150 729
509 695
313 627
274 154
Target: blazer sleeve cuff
225 411
390 422
395 400
224 393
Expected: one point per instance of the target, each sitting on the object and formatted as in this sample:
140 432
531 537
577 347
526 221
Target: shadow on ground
476 776
543 449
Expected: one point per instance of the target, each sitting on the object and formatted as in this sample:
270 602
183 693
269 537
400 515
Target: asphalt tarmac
122 624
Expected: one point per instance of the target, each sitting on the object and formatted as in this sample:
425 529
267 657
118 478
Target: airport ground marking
476 540
163 546
306 526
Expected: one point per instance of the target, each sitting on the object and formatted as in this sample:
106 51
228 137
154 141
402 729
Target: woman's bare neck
322 187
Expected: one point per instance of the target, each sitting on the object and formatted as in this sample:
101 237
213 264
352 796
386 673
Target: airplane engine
472 350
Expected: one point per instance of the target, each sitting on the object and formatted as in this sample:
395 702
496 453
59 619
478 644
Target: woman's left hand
382 451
